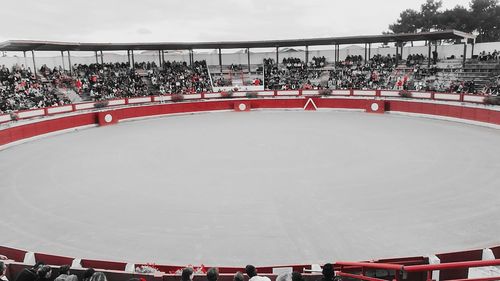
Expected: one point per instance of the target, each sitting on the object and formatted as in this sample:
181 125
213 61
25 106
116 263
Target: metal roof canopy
28 45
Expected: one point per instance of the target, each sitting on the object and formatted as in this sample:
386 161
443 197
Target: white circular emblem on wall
374 106
108 118
242 106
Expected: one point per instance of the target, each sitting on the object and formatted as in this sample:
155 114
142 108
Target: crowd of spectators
353 73
292 75
416 59
43 272
21 89
178 77
111 80
318 62
118 80
483 56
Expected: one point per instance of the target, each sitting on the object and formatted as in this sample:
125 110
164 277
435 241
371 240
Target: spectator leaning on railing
3 270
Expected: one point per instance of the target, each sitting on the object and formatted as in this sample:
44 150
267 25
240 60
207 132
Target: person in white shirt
252 274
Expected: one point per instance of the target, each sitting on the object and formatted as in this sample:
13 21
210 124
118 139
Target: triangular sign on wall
310 105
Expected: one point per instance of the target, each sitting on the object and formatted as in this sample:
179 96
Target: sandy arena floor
268 187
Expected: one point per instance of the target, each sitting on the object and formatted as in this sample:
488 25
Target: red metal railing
427 268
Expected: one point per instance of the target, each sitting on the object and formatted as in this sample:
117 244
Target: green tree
408 22
485 19
429 14
458 18
482 18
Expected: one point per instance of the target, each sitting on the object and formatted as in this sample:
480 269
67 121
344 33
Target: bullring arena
283 179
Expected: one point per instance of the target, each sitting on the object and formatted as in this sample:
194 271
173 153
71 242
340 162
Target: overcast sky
197 20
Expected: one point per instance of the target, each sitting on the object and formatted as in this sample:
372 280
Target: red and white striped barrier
83 106
288 93
389 93
449 97
5 118
341 93
60 109
25 114
421 95
474 98
139 100
31 113
370 93
117 102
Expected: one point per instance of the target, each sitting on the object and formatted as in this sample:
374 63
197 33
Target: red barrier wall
459 273
44 126
13 254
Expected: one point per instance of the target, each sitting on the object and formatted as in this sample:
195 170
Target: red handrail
479 279
387 266
451 265
361 277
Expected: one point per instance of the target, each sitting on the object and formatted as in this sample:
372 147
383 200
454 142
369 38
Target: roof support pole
402 46
191 57
25 59
334 53
277 56
465 54
34 63
436 50
397 54
429 54
133 59
338 53
70 65
366 51
307 55
472 51
96 58
128 57
369 51
220 60
62 60
159 58
248 60
102 58
162 58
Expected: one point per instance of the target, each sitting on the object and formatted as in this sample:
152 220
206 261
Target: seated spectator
3 271
291 276
252 274
328 273
71 277
44 273
98 276
238 276
187 274
88 274
63 273
30 274
296 276
212 274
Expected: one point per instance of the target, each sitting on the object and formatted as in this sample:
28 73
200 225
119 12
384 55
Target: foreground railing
399 270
